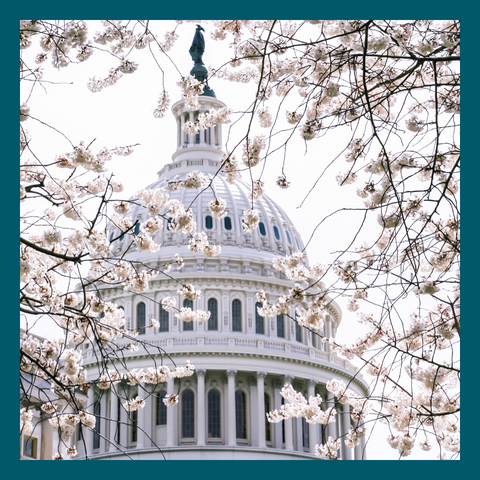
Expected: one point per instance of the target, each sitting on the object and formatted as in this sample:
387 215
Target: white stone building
241 359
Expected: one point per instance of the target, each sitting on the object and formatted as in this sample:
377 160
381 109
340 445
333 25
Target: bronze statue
198 46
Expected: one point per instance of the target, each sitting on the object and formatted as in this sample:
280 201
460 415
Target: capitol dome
241 359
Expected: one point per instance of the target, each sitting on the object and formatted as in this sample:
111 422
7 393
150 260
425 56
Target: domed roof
275 235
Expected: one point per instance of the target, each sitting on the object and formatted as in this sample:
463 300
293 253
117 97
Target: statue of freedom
198 46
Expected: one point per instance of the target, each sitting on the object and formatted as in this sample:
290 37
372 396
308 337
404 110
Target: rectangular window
298 332
96 432
134 426
280 326
306 433
161 409
29 446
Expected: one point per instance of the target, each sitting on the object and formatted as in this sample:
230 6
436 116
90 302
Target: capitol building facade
241 359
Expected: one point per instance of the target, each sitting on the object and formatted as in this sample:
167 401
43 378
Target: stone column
312 427
103 421
345 423
358 451
231 426
148 426
86 432
288 424
171 416
331 427
112 441
327 328
183 135
277 404
141 420
201 412
261 408
46 445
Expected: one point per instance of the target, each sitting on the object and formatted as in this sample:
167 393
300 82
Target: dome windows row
227 224
299 333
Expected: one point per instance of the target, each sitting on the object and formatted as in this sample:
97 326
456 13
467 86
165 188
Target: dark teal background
233 470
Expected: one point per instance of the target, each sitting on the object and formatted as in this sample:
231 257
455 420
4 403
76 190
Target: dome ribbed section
276 234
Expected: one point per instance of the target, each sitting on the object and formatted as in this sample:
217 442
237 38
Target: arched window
208 222
137 228
268 425
213 309
228 223
111 236
276 232
261 227
237 315
241 414
122 236
197 135
289 240
97 411
141 318
280 326
188 414
117 426
134 428
187 325
214 414
163 320
305 433
161 409
259 323
298 332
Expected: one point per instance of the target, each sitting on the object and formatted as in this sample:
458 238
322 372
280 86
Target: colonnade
295 436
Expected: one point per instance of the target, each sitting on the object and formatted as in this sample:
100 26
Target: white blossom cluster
230 167
328 450
199 243
162 105
191 89
186 314
134 404
294 267
181 220
213 117
251 219
155 201
192 180
298 407
26 425
218 207
257 190
150 375
139 282
190 292
252 150
360 405
60 48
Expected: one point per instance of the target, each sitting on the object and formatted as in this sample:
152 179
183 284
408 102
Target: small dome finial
196 52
